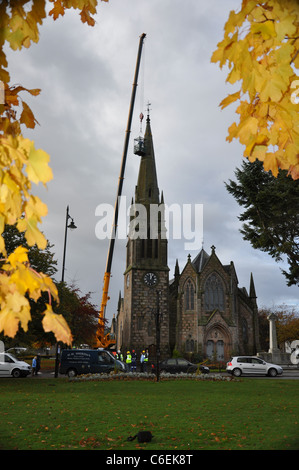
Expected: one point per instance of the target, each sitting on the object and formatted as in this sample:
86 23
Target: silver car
251 365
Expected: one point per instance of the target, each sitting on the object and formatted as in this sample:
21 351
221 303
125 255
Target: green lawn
182 415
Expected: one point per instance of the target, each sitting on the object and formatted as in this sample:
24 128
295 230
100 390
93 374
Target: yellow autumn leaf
15 39
266 29
294 171
15 310
34 209
271 163
15 301
258 152
27 116
271 86
232 132
261 49
9 183
292 154
32 233
46 284
33 91
234 76
57 10
86 18
283 56
9 322
57 324
218 55
229 99
247 128
19 255
285 27
37 166
26 281
260 140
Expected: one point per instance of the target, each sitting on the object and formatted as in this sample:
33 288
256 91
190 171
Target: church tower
146 278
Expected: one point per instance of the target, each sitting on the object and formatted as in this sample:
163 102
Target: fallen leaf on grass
89 441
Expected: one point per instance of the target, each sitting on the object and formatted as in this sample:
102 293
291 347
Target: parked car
252 365
17 351
88 361
177 365
12 367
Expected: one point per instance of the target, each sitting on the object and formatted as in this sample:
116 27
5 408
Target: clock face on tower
150 279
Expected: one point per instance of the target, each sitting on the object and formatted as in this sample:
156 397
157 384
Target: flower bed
150 377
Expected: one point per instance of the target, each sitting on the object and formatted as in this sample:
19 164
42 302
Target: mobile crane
102 340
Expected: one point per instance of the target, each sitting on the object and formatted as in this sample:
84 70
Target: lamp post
157 315
71 226
158 319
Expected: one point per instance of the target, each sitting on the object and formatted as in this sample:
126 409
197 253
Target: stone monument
273 349
274 354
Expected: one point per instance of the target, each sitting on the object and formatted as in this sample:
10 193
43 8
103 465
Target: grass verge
182 415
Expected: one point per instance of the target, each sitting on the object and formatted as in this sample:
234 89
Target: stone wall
276 357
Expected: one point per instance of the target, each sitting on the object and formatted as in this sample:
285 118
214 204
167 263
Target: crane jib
119 190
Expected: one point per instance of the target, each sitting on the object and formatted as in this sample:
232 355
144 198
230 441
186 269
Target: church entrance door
220 350
210 349
217 342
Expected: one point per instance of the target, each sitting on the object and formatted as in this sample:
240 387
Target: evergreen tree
271 215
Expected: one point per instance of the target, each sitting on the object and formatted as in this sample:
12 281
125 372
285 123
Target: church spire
147 190
252 293
149 248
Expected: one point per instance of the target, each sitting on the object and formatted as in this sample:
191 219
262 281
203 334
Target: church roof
200 260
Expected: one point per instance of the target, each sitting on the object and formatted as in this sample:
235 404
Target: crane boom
102 340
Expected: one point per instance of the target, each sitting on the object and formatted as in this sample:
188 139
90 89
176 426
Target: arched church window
214 295
139 323
150 330
244 331
190 345
189 295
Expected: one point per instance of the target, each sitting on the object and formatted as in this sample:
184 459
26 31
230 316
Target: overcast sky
86 77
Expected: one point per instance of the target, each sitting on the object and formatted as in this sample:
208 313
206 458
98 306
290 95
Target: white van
12 367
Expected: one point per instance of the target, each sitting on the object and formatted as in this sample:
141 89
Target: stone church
200 311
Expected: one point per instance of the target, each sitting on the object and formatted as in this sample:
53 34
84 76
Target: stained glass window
214 295
189 295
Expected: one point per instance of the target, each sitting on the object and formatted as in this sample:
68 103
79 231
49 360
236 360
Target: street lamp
158 321
157 315
71 226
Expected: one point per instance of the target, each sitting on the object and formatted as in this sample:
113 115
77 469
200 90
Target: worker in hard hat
134 361
145 363
128 359
120 357
142 357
